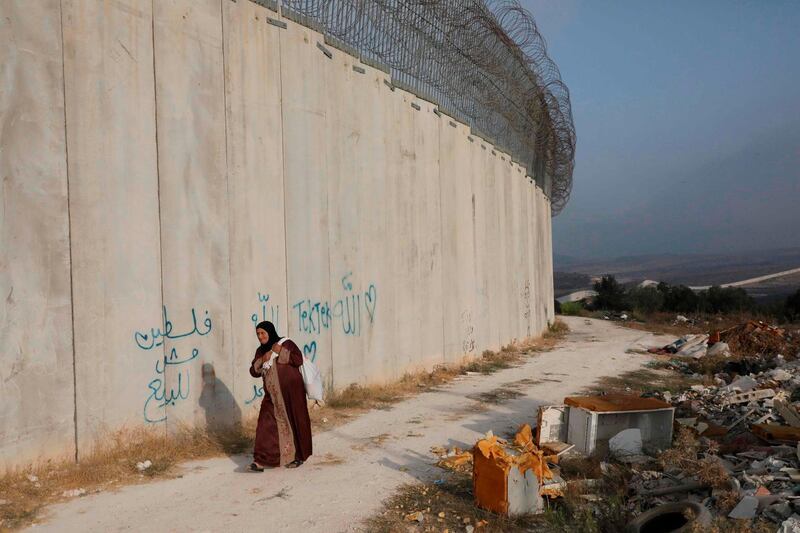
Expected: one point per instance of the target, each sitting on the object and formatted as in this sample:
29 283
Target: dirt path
357 465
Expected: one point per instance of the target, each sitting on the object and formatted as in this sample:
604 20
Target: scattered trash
626 443
746 508
415 517
679 516
589 422
32 478
508 477
74 493
790 525
143 465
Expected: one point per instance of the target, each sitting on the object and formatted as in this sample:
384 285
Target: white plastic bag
312 378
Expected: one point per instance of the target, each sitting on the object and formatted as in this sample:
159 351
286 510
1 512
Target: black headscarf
269 327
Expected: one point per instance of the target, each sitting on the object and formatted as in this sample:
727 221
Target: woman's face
262 336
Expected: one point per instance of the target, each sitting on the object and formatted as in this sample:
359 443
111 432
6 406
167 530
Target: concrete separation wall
174 172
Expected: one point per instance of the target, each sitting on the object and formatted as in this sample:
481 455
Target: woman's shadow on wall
224 419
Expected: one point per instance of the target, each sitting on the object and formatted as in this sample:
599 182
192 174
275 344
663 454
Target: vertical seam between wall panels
158 185
328 218
441 233
228 191
69 237
283 183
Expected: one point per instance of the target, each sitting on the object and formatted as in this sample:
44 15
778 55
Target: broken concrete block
788 412
779 511
747 397
780 374
743 384
626 443
790 525
746 508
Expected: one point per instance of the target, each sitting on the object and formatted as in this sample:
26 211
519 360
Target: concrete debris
739 431
143 465
720 349
746 508
626 443
790 525
742 384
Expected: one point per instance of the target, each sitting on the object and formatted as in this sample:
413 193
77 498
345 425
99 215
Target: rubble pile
737 452
725 448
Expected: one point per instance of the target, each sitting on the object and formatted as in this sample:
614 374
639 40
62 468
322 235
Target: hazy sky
688 123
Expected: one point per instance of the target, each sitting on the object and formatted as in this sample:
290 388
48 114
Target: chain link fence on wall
481 61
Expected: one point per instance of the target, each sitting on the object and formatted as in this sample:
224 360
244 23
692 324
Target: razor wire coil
483 62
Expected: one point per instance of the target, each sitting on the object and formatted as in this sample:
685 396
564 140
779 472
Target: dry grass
729 525
663 323
643 381
110 464
113 462
453 496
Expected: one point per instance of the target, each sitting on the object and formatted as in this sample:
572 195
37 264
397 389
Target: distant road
575 296
751 281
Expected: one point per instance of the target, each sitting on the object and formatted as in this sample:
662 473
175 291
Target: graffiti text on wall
353 310
266 311
160 394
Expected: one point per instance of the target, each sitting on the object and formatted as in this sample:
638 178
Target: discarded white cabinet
589 422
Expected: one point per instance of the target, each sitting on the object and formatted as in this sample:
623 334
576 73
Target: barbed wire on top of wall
483 62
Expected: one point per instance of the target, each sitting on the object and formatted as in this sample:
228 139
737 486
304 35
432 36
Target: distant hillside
691 269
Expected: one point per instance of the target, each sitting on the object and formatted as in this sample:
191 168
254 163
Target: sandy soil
357 465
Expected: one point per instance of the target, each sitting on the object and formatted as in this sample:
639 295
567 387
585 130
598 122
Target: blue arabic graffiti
258 392
148 341
158 387
267 312
352 310
160 395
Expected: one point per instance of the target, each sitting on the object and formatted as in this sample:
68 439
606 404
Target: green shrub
571 308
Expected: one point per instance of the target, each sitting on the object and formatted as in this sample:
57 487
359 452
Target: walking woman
283 434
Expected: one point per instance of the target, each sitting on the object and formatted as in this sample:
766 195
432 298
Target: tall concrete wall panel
367 284
548 251
479 153
517 185
530 269
190 112
358 220
492 249
424 234
175 172
402 175
116 263
36 356
254 128
458 271
305 137
501 251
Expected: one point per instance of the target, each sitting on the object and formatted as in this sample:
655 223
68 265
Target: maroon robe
283 433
